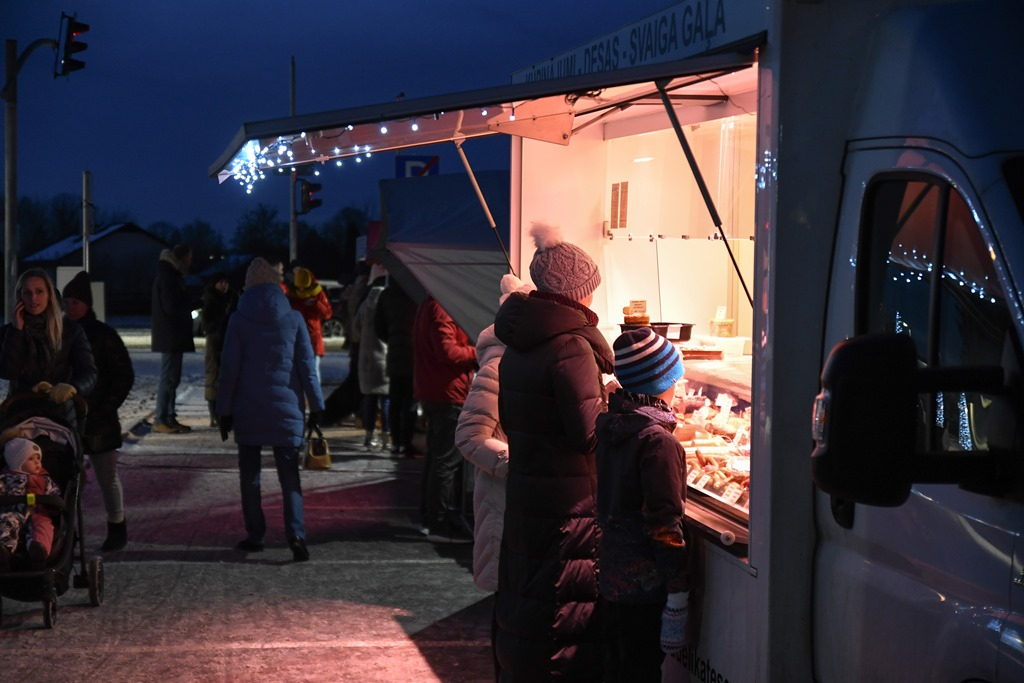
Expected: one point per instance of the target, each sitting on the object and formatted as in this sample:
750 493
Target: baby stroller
57 429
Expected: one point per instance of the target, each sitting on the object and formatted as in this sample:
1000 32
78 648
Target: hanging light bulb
483 112
281 149
383 129
338 162
415 126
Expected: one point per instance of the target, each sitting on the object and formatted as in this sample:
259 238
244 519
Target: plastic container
685 330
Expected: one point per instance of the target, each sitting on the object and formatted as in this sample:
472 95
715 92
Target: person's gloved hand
42 388
314 420
226 422
673 622
62 392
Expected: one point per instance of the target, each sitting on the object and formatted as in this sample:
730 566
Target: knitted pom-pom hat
510 283
18 450
261 272
559 267
646 363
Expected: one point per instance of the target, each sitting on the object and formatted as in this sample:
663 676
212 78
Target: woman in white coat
482 442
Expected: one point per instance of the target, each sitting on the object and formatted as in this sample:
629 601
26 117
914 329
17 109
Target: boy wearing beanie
550 393
25 474
115 377
641 489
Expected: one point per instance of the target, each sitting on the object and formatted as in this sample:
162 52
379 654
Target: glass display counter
713 425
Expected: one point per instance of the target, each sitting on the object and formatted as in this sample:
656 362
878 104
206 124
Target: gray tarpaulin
437 241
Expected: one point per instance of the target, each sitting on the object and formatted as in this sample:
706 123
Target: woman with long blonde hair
42 351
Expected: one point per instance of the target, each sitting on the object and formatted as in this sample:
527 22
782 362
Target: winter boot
117 536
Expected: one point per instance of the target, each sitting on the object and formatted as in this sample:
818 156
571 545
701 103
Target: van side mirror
859 458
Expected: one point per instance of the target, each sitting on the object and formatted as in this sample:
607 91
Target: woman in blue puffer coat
267 375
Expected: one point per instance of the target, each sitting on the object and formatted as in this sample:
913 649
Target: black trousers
632 636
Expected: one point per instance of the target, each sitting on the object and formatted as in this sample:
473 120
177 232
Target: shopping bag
318 456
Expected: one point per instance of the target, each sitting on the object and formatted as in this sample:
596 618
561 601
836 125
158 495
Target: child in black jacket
641 484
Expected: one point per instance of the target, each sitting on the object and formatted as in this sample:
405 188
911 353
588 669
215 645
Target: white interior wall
682 280
564 186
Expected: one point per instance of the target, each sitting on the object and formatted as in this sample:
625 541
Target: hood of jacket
488 346
526 321
628 415
264 303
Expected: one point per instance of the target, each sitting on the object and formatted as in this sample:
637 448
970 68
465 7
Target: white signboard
684 30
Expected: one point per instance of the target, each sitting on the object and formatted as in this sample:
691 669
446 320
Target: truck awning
547 110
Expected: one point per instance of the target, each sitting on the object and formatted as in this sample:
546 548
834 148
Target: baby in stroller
25 474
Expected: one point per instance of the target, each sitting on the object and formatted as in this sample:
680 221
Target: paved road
376 601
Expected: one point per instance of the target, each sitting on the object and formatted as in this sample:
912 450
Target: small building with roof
124 256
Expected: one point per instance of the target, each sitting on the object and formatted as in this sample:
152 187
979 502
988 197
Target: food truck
821 204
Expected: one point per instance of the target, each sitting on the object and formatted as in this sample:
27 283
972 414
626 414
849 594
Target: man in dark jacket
171 333
218 303
393 321
114 379
550 394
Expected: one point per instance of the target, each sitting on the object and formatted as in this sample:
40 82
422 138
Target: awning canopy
547 110
438 242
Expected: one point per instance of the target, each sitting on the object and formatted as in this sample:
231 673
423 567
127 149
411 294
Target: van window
926 270
1013 171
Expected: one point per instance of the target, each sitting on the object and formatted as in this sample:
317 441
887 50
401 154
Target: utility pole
87 218
293 230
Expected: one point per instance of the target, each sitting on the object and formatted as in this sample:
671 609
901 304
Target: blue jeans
286 458
167 389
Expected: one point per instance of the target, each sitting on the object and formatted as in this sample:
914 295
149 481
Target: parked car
335 326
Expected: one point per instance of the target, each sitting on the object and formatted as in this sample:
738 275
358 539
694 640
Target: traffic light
72 30
307 190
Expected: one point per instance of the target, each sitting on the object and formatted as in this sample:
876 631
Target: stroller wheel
50 612
96 581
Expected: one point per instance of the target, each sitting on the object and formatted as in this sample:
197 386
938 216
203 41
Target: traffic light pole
13 64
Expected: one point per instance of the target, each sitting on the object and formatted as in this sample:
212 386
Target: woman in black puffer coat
550 394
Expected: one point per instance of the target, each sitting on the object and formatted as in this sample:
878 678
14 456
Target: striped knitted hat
646 363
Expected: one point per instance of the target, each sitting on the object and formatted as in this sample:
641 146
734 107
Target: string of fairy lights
922 265
253 161
248 166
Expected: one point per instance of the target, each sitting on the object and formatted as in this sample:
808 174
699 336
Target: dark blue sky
167 85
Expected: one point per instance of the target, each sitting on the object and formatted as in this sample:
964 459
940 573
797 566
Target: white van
791 178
